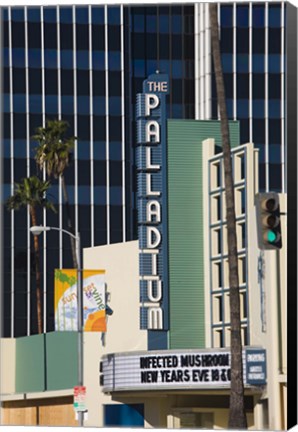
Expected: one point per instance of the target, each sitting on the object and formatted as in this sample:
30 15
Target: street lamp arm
36 230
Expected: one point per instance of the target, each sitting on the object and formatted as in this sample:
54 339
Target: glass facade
253 58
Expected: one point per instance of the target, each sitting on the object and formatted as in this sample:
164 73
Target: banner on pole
66 300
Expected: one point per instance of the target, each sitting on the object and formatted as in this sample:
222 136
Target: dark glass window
51 103
17 14
116 174
227 62
151 23
6 83
83 127
258 131
50 36
81 15
164 23
114 15
19 126
229 86
5 34
274 37
258 86
176 24
115 195
99 83
97 15
19 103
115 151
114 83
66 59
226 40
33 14
34 35
83 88
258 63
18 34
99 128
66 82
226 16
274 108
242 16
100 176
176 46
138 23
98 60
114 60
274 152
274 131
49 15
258 108
115 130
258 40
274 86
35 121
98 37
116 223
242 44
6 102
242 63
35 103
244 131
274 15
6 128
67 104
138 45
51 81
84 174
100 224
188 47
82 60
274 63
115 106
83 105
258 16
84 150
242 86
34 58
82 36
50 58
19 80
99 150
65 15
275 176
66 36
242 108
18 57
99 105
114 38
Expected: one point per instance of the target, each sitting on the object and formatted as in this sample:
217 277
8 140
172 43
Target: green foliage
30 191
63 277
54 147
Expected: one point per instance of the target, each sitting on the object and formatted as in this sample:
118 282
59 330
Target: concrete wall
120 261
7 366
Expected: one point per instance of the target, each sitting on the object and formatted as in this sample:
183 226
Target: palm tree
54 151
237 416
31 192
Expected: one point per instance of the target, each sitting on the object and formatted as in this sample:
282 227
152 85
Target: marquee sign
190 369
152 196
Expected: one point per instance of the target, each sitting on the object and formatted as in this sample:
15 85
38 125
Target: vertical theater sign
152 202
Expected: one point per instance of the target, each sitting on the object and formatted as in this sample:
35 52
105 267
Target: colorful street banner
66 305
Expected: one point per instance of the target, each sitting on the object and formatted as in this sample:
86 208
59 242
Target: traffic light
268 221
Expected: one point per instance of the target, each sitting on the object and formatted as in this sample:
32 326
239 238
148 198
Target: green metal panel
30 364
46 362
185 225
62 360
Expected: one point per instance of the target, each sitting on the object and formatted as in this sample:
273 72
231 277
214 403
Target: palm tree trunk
37 273
69 222
237 416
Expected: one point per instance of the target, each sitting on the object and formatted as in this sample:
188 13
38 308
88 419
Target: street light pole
37 230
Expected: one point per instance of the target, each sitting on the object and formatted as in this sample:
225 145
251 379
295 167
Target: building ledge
36 395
